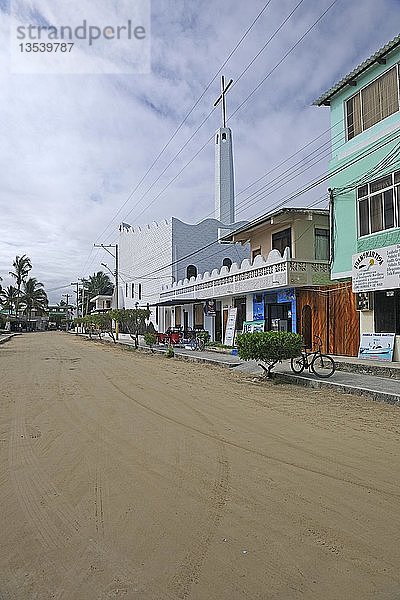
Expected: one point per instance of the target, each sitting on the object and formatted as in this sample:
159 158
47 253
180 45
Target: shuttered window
372 104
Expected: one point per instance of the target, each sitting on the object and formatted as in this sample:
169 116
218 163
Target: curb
339 387
178 355
7 339
379 371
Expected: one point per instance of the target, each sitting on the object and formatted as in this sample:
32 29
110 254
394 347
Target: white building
165 252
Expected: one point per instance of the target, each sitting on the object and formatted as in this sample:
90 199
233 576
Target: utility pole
136 326
115 256
77 302
67 297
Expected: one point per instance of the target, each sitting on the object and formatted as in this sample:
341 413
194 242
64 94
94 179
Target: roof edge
324 99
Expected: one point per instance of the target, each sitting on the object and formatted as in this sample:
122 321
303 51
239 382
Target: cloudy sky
75 145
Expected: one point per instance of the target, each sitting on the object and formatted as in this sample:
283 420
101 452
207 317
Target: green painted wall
356 158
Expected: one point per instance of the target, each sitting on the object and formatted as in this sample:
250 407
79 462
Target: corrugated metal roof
264 218
324 99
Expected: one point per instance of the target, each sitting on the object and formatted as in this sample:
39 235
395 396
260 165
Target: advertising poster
377 346
230 327
252 326
376 269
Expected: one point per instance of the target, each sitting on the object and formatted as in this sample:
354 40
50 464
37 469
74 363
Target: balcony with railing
274 272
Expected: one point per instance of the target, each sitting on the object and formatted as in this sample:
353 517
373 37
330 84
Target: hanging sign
210 308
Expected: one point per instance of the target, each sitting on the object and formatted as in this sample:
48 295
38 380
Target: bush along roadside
169 352
269 347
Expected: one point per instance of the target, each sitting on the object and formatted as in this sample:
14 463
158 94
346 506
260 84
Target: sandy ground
125 475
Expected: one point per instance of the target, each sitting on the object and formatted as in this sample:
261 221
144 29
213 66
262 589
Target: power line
206 118
243 37
240 106
302 191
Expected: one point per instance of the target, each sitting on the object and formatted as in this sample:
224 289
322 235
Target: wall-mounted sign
252 326
376 269
377 346
230 327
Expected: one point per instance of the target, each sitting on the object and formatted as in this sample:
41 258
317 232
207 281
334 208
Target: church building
159 254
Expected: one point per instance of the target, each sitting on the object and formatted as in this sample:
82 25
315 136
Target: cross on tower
222 97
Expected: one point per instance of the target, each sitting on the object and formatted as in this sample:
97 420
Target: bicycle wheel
323 365
297 364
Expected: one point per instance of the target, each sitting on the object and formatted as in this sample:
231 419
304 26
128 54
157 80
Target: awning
179 302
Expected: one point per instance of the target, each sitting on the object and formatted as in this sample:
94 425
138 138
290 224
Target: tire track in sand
190 567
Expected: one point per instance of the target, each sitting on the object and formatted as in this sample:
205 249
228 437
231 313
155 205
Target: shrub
170 352
269 347
150 339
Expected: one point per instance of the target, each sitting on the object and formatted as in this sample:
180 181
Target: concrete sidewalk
353 376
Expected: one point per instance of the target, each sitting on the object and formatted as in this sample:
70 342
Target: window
191 271
373 103
282 240
223 137
256 252
321 244
227 263
132 290
379 205
126 290
140 291
198 316
387 312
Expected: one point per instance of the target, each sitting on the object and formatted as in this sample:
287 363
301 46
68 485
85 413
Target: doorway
279 317
240 304
218 322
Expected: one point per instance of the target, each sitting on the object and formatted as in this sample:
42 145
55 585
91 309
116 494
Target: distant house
100 304
365 187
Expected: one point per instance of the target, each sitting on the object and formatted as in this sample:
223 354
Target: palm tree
99 284
33 296
8 298
22 265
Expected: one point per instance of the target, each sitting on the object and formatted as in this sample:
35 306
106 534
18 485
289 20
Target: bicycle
197 342
322 365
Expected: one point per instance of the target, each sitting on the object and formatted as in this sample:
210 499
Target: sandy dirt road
131 476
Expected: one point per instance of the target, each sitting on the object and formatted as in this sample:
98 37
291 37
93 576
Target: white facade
243 279
272 272
161 253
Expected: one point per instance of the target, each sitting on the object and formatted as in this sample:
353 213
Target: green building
365 187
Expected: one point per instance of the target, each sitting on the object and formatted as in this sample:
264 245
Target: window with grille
373 103
379 205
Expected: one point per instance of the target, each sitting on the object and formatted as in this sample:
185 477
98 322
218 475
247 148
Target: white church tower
224 175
